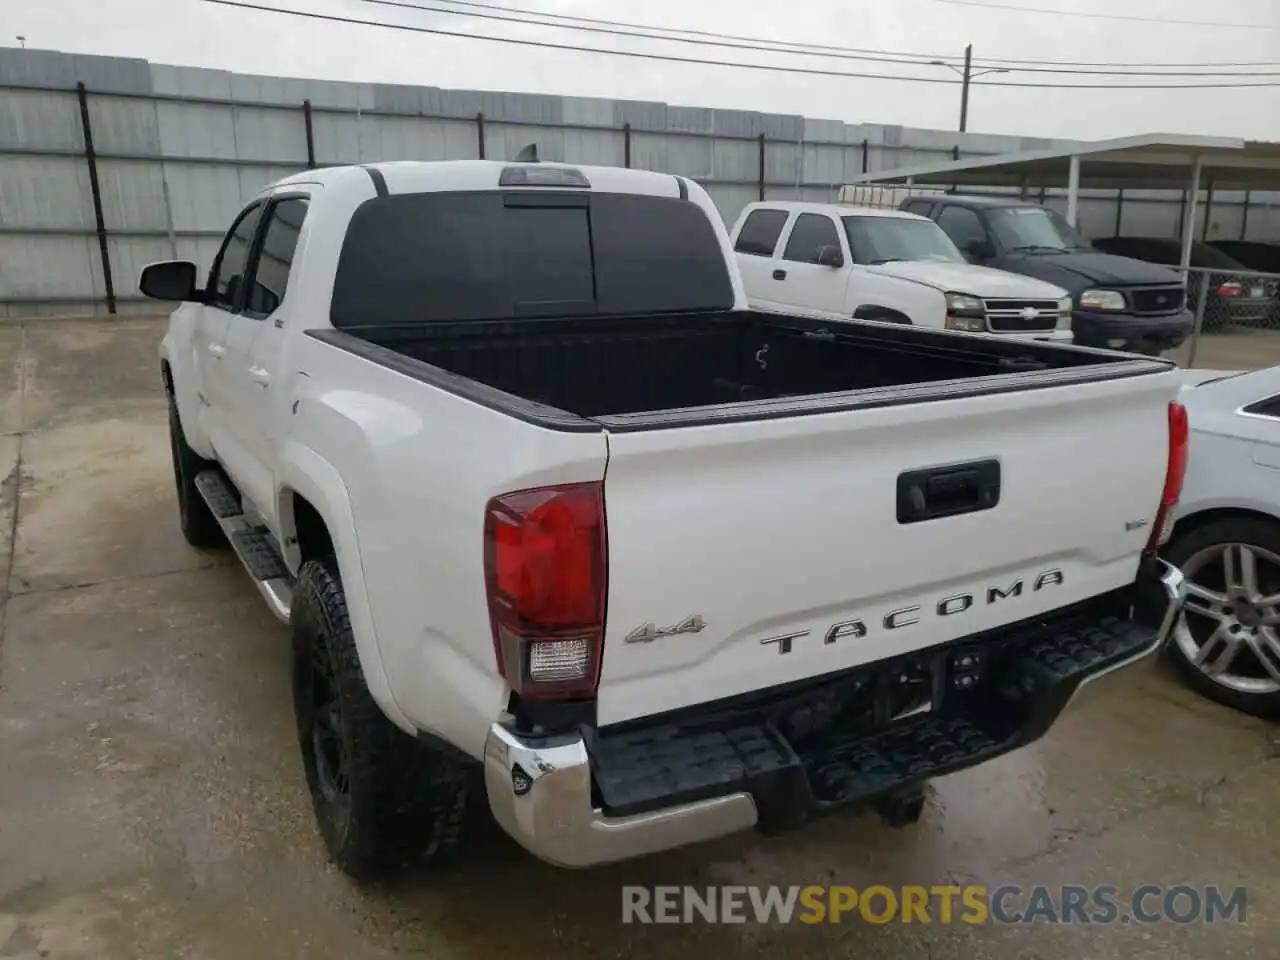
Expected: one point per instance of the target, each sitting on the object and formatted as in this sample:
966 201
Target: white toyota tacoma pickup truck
538 495
862 263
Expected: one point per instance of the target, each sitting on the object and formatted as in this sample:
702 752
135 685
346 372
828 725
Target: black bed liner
622 373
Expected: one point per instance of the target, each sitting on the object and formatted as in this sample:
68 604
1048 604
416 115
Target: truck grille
1157 299
1018 315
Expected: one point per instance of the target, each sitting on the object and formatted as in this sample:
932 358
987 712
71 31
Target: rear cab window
760 232
493 255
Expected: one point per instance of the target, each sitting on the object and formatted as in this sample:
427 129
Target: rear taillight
545 569
1230 289
1175 474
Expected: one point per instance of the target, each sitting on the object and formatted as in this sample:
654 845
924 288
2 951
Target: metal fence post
626 145
1208 212
866 153
311 140
91 158
480 135
762 166
1199 324
1244 214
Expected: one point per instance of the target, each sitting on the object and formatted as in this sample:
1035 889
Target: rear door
747 555
802 283
754 245
265 390
220 374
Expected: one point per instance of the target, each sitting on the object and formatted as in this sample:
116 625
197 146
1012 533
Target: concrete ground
1236 348
152 802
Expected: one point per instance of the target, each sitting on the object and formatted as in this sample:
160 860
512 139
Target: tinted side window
811 232
275 257
1270 407
962 226
921 207
227 276
759 234
497 255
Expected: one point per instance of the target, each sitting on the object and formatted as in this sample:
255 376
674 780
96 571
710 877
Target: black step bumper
785 756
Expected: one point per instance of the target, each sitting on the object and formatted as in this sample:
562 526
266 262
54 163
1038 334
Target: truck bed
612 367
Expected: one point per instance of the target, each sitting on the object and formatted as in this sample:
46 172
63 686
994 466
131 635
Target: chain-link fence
1237 319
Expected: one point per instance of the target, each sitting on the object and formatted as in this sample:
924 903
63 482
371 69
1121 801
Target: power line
1109 16
619 28
1004 61
671 58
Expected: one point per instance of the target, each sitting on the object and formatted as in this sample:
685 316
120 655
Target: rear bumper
1095 328
603 795
1246 309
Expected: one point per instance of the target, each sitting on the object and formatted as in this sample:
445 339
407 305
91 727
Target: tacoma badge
648 633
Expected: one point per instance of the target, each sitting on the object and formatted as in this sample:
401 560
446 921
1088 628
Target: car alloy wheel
1230 627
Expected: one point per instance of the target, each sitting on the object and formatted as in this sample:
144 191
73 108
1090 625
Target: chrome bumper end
540 793
1161 593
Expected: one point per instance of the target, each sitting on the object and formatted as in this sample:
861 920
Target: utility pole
964 87
966 75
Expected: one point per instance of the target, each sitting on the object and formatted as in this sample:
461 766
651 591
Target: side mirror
830 256
170 280
979 250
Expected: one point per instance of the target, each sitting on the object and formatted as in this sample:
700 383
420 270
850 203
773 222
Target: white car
535 491
1227 542
865 263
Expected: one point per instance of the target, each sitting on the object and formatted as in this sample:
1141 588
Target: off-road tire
404 799
199 525
1261 532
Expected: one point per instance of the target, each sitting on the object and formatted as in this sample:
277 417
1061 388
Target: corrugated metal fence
107 164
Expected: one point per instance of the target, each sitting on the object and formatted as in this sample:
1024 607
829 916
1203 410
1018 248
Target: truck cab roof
834 209
976 200
426 176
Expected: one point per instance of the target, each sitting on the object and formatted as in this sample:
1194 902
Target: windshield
884 239
1033 228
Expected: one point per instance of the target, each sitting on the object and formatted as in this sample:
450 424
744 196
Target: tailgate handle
948 491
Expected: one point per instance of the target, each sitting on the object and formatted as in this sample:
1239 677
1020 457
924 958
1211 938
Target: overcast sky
196 33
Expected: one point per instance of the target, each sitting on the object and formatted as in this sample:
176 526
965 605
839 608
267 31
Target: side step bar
252 544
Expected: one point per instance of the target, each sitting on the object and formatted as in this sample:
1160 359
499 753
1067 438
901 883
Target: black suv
1119 302
1234 295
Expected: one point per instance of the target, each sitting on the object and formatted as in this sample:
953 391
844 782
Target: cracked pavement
152 803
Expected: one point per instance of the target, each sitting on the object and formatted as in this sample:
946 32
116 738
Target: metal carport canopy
1153 161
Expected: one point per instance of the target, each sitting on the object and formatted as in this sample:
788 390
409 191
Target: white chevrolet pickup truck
539 496
840 263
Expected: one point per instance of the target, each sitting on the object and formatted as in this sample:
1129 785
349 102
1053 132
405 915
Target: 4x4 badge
649 632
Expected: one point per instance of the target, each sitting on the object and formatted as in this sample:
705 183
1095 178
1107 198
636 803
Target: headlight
965 312
963 303
1064 306
1102 300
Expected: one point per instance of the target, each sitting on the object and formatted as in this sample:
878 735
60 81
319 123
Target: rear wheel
199 525
1227 641
382 799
